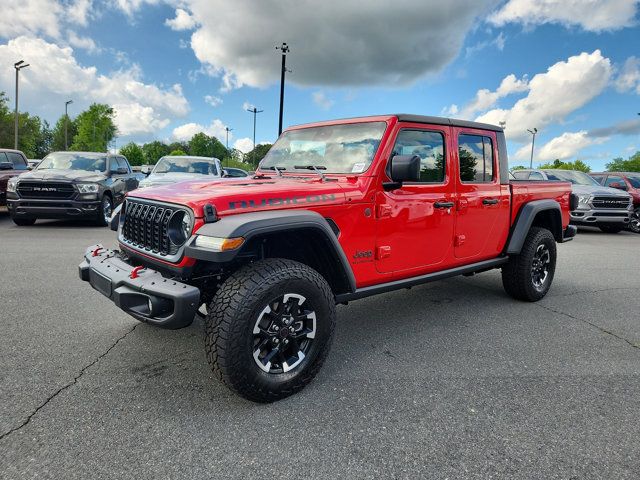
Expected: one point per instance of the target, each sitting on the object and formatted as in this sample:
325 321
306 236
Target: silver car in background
174 169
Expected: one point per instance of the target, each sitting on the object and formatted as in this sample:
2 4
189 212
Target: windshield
193 165
634 180
573 176
73 161
346 148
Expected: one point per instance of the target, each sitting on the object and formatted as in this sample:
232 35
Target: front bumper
53 208
144 294
600 216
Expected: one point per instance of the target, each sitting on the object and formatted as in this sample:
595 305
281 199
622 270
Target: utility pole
255 112
533 141
284 49
66 121
18 66
227 129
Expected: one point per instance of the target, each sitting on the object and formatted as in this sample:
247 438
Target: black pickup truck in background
84 185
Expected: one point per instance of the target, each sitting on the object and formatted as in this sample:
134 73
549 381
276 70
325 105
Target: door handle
443 204
489 201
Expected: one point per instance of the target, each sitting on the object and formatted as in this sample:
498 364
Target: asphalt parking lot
448 380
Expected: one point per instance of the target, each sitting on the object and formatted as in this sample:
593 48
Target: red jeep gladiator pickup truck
337 211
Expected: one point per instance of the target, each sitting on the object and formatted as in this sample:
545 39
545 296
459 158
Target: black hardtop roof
408 117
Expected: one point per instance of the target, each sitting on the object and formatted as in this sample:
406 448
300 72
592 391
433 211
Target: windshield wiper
315 168
277 169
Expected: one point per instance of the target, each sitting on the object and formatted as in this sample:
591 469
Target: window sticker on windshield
358 167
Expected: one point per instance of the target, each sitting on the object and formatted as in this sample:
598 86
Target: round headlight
180 227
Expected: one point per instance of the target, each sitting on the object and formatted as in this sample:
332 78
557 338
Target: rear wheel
23 222
528 275
634 221
269 328
611 228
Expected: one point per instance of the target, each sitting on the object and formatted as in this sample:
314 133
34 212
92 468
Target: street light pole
18 66
533 141
66 120
227 129
255 112
284 49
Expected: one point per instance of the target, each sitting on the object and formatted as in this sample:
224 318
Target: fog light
218 244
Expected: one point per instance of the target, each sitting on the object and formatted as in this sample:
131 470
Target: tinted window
19 163
235 172
429 146
122 163
599 178
634 181
476 158
113 165
73 161
3 158
520 175
613 179
535 176
202 166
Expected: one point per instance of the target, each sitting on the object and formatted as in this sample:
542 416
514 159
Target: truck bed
523 191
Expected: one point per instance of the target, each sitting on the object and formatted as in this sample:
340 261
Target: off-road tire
611 228
634 223
232 315
23 222
100 220
517 274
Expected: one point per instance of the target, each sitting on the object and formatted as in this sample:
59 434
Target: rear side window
19 163
429 146
475 153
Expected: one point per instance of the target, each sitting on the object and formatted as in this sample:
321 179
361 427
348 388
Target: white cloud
212 100
591 15
30 17
182 21
563 147
56 76
321 100
248 106
129 7
334 42
86 43
486 99
243 144
215 129
563 88
498 42
79 11
629 77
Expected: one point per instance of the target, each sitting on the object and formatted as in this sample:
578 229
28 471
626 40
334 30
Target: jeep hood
54 175
250 195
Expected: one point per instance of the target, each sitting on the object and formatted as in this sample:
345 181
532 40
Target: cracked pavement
448 380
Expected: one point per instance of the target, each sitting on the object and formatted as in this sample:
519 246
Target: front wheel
269 328
611 228
528 275
634 221
104 211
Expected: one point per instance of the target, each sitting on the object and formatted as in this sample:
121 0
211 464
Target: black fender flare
524 221
254 224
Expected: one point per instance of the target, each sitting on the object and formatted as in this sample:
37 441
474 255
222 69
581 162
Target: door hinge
459 240
383 211
383 252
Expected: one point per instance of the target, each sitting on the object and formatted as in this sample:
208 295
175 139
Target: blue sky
171 68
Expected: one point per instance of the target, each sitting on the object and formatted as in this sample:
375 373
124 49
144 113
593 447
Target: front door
482 220
415 223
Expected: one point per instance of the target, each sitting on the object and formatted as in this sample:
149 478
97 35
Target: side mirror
404 168
6 166
617 185
122 171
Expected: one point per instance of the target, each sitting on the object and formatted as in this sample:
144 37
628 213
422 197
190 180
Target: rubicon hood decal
282 201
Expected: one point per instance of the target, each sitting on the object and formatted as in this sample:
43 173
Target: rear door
482 220
415 223
131 178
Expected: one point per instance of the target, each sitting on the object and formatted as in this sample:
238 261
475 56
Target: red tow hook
96 252
134 272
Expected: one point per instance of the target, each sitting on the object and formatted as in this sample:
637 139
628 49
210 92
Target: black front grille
146 227
610 202
63 191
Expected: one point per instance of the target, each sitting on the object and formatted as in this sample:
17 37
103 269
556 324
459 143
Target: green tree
518 167
58 133
177 153
257 154
95 129
560 165
632 164
134 153
153 151
184 146
44 141
202 145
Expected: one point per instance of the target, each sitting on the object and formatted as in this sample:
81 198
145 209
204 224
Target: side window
113 164
429 146
476 158
613 179
535 176
19 163
122 163
599 179
520 175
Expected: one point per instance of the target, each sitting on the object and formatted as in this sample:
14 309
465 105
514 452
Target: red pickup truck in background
337 211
